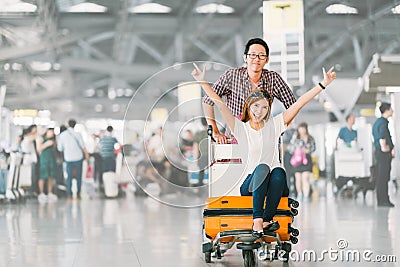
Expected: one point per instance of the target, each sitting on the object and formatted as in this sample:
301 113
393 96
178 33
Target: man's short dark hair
72 123
348 116
256 41
110 129
384 107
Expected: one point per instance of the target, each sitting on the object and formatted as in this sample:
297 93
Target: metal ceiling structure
92 55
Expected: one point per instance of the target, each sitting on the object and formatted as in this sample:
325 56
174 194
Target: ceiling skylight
87 8
215 8
341 9
40 66
396 9
150 8
16 6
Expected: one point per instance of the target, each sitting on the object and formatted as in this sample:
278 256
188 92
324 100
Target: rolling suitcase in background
110 184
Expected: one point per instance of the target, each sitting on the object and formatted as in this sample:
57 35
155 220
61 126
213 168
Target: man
383 154
347 133
107 143
237 83
71 143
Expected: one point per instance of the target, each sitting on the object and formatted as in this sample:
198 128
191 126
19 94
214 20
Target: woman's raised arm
199 76
293 110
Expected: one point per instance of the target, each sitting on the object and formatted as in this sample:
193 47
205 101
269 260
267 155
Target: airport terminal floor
140 231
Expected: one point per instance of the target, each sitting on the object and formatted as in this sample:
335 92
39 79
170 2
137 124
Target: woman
264 178
305 142
46 147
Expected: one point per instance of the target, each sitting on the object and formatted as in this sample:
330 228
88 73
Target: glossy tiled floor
137 231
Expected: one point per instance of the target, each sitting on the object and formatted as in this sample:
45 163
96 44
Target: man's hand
385 148
220 138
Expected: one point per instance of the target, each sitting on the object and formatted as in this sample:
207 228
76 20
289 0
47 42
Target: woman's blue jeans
267 186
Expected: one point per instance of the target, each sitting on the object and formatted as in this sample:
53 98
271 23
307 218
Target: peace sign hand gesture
328 76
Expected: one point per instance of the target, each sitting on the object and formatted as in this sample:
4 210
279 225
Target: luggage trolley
227 216
14 192
351 170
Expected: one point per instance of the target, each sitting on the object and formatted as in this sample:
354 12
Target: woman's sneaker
42 198
52 198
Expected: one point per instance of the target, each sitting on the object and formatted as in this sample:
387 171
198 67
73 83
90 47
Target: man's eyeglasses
261 94
254 56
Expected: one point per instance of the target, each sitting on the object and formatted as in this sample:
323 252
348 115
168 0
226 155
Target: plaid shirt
234 86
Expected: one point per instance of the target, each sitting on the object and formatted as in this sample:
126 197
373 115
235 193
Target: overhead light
341 9
391 58
87 8
40 66
112 94
391 89
98 108
396 9
16 66
90 92
128 92
215 8
16 6
150 8
57 66
120 92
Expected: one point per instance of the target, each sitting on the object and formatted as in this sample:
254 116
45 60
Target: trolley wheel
207 256
249 258
293 203
294 239
294 212
295 232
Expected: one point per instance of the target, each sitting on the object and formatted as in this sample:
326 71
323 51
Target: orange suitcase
228 220
235 212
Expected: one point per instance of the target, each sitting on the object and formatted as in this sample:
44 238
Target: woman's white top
259 146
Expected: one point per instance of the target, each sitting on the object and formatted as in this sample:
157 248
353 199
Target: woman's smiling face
259 110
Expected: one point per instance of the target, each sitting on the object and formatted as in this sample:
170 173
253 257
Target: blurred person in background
107 145
305 143
30 156
384 152
347 134
71 143
4 166
46 147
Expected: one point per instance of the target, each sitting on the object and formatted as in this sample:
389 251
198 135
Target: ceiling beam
9 53
335 42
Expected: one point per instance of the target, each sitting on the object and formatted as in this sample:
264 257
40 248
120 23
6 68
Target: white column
395 97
